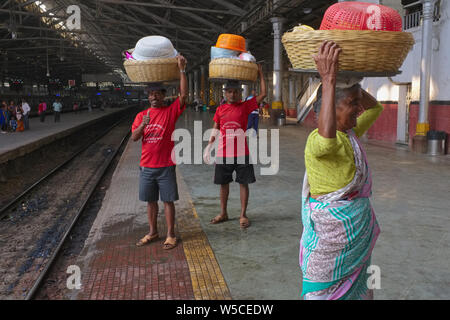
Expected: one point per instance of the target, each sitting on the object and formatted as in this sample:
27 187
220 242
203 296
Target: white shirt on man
26 108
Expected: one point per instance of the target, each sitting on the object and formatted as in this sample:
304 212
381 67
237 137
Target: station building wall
387 92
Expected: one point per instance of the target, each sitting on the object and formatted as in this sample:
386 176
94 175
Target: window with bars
413 13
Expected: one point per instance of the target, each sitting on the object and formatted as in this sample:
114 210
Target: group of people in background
14 117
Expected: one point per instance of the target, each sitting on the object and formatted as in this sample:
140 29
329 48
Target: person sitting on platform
233 153
13 123
154 127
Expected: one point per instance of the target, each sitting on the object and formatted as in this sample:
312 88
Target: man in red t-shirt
233 154
154 127
41 110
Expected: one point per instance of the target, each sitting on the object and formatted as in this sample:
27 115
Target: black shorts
223 173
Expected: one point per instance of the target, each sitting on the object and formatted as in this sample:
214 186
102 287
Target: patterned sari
339 232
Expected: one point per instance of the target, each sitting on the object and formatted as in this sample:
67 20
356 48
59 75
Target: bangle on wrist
183 71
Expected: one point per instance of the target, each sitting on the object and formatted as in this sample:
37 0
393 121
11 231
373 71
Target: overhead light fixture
307 10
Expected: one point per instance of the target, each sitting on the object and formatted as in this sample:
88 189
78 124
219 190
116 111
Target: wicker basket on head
362 50
234 69
152 70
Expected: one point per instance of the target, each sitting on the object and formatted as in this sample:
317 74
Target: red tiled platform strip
114 268
125 272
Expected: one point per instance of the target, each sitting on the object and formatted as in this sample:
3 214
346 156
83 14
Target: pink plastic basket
361 16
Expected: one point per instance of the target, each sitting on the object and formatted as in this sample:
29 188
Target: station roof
33 34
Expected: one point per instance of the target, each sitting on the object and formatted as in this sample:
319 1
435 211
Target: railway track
35 225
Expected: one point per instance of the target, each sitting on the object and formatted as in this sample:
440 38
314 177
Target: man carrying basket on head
154 127
230 123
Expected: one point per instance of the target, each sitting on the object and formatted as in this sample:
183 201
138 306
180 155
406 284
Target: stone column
203 85
277 102
191 87
420 142
196 86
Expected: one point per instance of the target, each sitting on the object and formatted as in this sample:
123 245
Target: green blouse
329 162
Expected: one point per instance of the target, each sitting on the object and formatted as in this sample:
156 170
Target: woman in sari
19 117
339 225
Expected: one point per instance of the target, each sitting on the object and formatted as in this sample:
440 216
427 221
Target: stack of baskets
229 68
368 35
155 61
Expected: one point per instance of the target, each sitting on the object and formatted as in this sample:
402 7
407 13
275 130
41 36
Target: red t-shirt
42 107
232 120
157 144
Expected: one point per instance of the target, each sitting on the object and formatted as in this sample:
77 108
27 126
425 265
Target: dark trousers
253 120
26 122
57 116
42 117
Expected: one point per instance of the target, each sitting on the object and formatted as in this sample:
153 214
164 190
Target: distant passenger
57 108
20 119
253 118
75 107
4 117
12 110
41 110
26 113
154 127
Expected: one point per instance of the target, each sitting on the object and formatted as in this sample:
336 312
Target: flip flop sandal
170 243
218 219
147 239
245 223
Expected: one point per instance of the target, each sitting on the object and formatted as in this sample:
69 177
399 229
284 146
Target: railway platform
112 267
16 144
224 262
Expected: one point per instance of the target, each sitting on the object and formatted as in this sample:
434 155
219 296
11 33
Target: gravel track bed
22 175
36 225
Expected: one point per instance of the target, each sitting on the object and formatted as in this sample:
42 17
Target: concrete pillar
420 141
277 102
203 84
219 94
196 85
191 87
292 98
140 98
245 87
245 91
